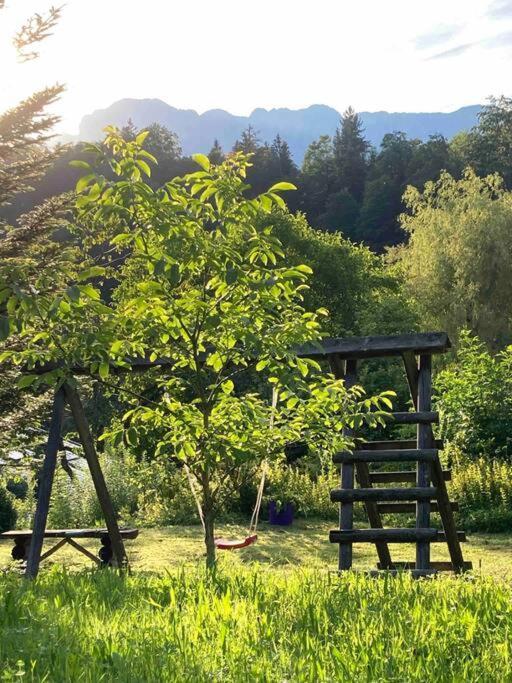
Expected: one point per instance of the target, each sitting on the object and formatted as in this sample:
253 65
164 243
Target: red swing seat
235 544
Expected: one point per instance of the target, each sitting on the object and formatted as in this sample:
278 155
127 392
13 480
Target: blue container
281 517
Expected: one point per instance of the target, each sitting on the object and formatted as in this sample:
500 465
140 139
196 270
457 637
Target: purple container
282 517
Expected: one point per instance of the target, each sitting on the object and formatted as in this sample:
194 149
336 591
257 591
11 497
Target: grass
253 624
305 545
271 613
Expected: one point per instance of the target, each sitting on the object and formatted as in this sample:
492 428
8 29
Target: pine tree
28 249
216 155
350 151
282 158
249 141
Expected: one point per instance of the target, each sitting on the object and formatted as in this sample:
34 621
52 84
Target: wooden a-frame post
45 486
70 394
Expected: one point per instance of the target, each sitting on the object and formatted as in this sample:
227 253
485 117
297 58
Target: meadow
274 612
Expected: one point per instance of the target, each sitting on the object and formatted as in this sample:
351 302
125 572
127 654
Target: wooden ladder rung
374 495
403 476
419 417
387 535
438 566
403 444
390 535
394 508
407 455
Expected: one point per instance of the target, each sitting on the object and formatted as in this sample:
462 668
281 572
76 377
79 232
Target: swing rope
253 525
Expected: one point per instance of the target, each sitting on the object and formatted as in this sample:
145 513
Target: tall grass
253 625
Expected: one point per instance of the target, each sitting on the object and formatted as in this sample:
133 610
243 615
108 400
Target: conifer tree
350 151
27 250
216 155
282 158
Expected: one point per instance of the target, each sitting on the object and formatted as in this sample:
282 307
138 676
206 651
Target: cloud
499 9
454 51
436 36
499 40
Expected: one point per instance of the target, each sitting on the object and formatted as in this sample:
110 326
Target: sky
394 55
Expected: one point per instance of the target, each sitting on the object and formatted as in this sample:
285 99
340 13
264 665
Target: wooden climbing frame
428 492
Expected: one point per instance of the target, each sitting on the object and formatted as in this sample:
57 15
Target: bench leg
20 549
105 552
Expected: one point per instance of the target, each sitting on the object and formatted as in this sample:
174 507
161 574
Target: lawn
271 613
305 545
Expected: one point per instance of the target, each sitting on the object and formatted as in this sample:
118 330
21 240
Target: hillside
299 127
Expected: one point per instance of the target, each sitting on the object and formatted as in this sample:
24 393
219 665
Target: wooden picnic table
22 538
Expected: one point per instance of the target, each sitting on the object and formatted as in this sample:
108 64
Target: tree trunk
209 522
209 539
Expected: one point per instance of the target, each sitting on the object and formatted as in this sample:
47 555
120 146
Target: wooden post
45 486
424 435
91 456
347 480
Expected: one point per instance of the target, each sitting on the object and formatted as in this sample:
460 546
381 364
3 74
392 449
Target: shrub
483 489
7 511
474 399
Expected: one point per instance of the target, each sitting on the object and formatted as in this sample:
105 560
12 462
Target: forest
164 322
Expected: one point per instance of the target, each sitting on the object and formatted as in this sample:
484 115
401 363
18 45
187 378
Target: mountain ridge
299 127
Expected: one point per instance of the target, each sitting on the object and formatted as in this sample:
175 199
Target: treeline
344 184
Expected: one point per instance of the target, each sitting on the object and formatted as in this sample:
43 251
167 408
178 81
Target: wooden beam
424 435
402 444
396 508
45 486
120 558
83 550
400 455
347 479
377 346
411 370
343 536
361 495
453 537
402 476
53 549
419 417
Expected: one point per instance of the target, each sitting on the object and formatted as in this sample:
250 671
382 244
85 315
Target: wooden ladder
427 494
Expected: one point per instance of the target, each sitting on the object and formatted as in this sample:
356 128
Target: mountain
298 127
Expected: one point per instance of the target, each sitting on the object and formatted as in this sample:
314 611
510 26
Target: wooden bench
23 537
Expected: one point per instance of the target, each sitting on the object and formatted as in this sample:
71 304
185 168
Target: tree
248 143
350 154
317 177
216 155
203 288
25 156
491 139
457 260
282 162
474 399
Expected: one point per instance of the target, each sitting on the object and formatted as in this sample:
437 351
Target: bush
474 399
7 511
483 489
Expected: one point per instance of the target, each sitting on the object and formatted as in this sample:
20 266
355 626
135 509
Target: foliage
362 295
474 398
7 510
25 156
483 487
309 494
253 625
457 261
350 154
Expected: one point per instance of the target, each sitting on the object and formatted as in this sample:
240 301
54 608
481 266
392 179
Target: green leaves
282 187
202 160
